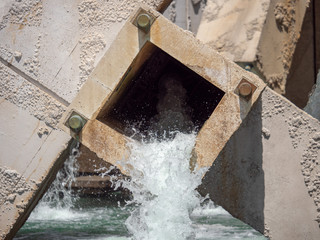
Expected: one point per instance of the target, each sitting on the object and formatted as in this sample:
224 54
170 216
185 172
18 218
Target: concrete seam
35 82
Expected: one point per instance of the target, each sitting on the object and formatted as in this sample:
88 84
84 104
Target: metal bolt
245 89
144 21
76 122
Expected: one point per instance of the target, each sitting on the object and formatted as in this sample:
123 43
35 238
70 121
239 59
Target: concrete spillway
263 152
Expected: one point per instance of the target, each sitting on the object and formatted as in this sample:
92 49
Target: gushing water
161 181
163 187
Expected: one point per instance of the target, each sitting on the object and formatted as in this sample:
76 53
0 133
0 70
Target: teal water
98 218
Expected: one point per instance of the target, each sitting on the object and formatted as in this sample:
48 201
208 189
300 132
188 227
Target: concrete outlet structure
254 176
262 152
123 89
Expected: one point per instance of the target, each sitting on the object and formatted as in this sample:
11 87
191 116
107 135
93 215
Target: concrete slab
23 135
59 43
31 153
234 27
47 51
267 173
19 90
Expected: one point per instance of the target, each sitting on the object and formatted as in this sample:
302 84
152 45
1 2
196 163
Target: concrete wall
268 174
47 51
234 27
186 14
278 37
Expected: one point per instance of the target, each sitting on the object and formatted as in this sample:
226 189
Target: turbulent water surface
101 219
165 204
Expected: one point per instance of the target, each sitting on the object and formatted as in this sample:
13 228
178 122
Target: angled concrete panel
234 27
58 43
47 51
267 174
31 153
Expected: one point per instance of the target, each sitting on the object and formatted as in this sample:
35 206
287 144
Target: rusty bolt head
144 21
245 89
76 122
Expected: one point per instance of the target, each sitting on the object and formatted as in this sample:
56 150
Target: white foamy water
166 206
46 212
163 187
208 209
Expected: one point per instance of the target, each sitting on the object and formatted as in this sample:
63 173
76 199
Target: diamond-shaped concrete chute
135 99
124 87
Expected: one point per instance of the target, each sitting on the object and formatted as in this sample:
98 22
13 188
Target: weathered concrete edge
36 195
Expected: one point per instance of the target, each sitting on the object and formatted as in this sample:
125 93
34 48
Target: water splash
58 201
162 184
163 187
